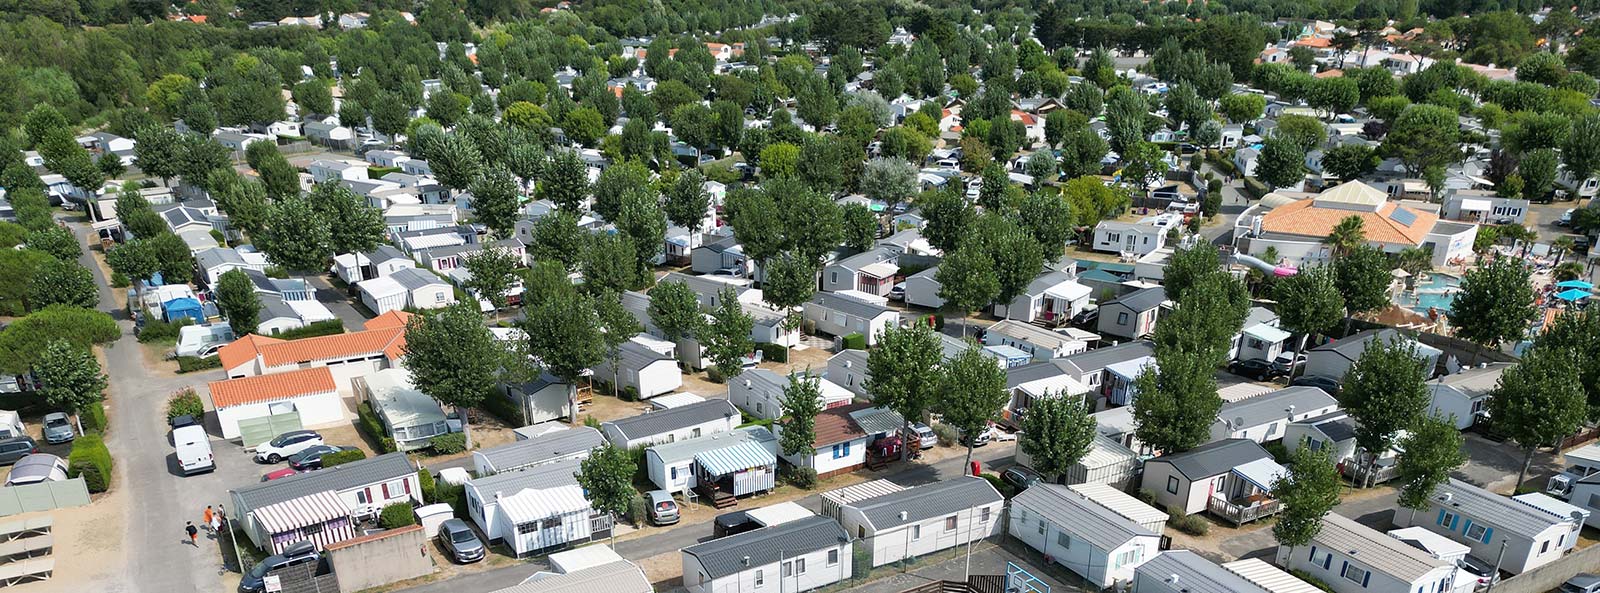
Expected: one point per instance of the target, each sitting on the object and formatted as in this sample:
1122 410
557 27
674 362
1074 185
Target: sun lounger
36 569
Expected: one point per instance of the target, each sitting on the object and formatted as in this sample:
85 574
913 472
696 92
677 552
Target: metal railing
1241 514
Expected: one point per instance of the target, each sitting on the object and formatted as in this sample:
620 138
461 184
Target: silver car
57 428
459 539
663 509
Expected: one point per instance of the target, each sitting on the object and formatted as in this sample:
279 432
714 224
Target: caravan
203 340
11 425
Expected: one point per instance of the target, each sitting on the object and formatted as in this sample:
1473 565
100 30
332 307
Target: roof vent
1448 497
903 515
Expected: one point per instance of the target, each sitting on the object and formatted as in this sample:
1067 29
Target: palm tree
1347 235
1568 271
1563 245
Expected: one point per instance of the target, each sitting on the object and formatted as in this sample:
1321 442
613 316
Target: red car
281 473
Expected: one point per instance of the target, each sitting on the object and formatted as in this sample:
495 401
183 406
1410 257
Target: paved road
337 302
636 549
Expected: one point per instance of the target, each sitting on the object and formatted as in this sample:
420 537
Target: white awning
881 269
305 511
532 505
1261 472
1476 205
1266 333
1067 291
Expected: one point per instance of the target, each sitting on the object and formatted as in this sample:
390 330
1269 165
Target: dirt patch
88 544
605 408
663 570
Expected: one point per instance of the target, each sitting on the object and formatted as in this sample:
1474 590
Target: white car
286 445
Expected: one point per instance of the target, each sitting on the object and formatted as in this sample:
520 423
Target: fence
43 496
1550 576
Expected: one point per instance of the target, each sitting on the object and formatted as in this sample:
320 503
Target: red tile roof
267 388
1305 219
834 425
243 350
385 333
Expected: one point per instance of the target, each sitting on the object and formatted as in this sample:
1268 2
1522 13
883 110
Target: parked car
1566 218
298 553
663 509
35 468
1583 582
58 428
731 272
16 448
1486 573
311 458
733 523
463 544
1286 362
193 448
182 421
897 292
926 438
980 440
282 472
1329 385
1087 316
1021 477
286 445
1253 368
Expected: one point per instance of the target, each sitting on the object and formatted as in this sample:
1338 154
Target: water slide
1265 267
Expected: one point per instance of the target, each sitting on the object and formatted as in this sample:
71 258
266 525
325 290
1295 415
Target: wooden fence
44 496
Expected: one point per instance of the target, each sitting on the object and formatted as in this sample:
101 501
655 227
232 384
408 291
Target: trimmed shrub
119 280
1000 485
221 240
773 352
369 423
855 342
947 435
1310 580
1190 524
92 460
185 403
397 515
714 375
804 478
636 509
342 457
155 330
425 480
190 364
93 417
629 394
448 444
321 328
454 495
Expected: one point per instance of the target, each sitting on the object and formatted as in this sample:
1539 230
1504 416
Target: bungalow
872 272
1051 297
848 369
1266 417
1525 532
386 158
673 424
1041 343
1120 378
1464 396
922 289
1039 380
760 393
255 409
1107 462
1268 577
557 445
1232 478
379 346
323 171
1483 207
536 508
214 262
323 505
1334 431
331 135
841 316
238 141
646 371
736 463
1090 367
409 416
1131 238
721 254
406 288
1260 340
924 519
278 315
1133 315
1098 544
543 399
1245 160
611 574
798 555
1183 571
843 437
1352 558
383 261
1334 359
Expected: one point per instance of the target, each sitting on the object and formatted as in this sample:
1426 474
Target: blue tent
1572 295
179 308
1575 284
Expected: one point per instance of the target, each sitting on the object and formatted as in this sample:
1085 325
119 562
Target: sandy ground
88 544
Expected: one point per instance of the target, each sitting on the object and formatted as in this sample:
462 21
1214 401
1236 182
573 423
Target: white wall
1300 559
1191 496
384 304
434 296
927 536
818 573
320 409
658 378
1522 552
400 489
1088 561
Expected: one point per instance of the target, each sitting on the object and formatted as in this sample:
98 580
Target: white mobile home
759 392
1223 476
1099 545
550 447
672 424
1265 417
924 519
1353 558
737 463
1533 536
646 371
1183 571
795 556
841 316
1464 396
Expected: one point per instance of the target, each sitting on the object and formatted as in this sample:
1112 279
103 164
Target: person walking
194 534
205 519
216 523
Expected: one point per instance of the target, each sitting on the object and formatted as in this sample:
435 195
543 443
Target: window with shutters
362 497
1354 574
1476 531
1446 519
1318 557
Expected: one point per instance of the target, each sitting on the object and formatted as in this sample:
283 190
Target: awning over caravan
735 458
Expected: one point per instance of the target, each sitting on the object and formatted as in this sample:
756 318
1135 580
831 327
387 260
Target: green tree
1177 402
860 227
1308 491
1581 154
57 241
1348 234
802 401
1309 302
22 342
566 180
967 281
948 215
1495 303
453 358
296 237
565 335
1281 163
641 219
1243 107
675 310
1082 152
686 202
727 335
62 282
608 262
1423 136
492 272
70 378
1056 433
618 326
1539 401
354 226
903 370
1048 218
1349 161
277 176
889 180
496 199
1125 115
1362 276
1386 392
606 476
1433 447
157 149
971 391
1578 334
237 300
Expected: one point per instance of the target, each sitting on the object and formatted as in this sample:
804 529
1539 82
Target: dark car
1257 369
16 448
297 553
1329 385
1583 582
1021 477
311 458
182 421
463 544
1086 317
733 523
1486 573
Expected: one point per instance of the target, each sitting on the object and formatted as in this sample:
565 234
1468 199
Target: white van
203 340
194 449
11 425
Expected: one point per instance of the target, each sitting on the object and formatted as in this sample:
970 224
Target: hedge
448 444
804 478
397 515
190 364
321 328
425 480
156 330
370 424
342 457
185 403
503 407
855 342
92 460
93 417
773 352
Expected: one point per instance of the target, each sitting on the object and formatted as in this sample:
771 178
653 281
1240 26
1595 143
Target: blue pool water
1437 291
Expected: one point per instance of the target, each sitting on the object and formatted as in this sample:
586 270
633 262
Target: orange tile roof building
379 345
243 405
1297 230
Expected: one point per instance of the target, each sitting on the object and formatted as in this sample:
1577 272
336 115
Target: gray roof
926 502
386 252
687 449
544 447
1336 425
1143 299
1214 458
1100 358
868 257
726 556
849 306
1196 574
1483 506
612 577
273 307
1080 517
877 420
218 256
1259 315
338 478
672 419
635 356
1273 405
1475 381
1047 280
1352 346
704 286
413 278
538 477
1387 555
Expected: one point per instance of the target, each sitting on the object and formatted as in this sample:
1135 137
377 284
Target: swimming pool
1437 291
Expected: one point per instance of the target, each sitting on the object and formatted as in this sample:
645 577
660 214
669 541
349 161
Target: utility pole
1495 576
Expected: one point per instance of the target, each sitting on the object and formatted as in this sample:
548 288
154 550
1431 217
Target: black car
297 553
1086 317
1257 369
1021 477
311 458
1329 385
733 523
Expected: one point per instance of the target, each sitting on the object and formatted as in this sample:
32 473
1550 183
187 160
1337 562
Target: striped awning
532 505
735 458
305 511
